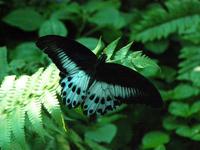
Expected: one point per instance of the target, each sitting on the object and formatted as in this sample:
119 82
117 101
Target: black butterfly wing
115 84
75 62
67 54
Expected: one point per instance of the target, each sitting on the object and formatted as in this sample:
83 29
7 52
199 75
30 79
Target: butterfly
97 86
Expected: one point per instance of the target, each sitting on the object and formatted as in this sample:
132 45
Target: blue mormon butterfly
98 86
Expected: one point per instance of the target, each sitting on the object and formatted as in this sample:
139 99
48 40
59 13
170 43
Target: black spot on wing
102 101
91 97
78 91
68 100
69 85
91 111
64 100
63 84
96 100
64 93
69 78
74 88
85 106
83 97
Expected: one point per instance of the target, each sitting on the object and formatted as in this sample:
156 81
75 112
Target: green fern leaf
34 115
122 53
25 96
52 106
189 66
5 132
156 23
17 121
109 50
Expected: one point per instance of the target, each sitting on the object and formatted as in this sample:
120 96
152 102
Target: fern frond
190 63
157 23
5 131
17 121
134 60
141 61
25 95
52 106
34 115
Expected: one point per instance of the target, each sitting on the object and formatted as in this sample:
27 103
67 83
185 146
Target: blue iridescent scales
97 86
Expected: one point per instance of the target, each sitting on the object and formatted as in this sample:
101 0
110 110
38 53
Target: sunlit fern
22 99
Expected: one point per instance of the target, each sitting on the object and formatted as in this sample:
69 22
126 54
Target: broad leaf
26 19
154 139
103 134
53 27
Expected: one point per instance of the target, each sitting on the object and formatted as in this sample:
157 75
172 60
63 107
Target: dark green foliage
159 43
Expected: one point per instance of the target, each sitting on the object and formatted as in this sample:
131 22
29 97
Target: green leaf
103 134
179 109
121 54
195 108
190 132
94 145
71 9
160 147
52 106
97 50
183 91
168 74
157 23
34 115
53 27
139 61
25 18
142 61
157 47
190 55
73 136
5 132
109 49
26 51
103 18
3 62
154 139
17 122
89 42
171 123
184 131
94 6
195 76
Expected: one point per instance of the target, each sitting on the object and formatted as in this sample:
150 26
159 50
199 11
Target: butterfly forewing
67 54
75 63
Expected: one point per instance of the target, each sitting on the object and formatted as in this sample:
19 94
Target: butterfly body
98 86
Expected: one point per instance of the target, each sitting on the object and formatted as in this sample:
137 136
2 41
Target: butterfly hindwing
100 99
128 86
104 97
74 89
